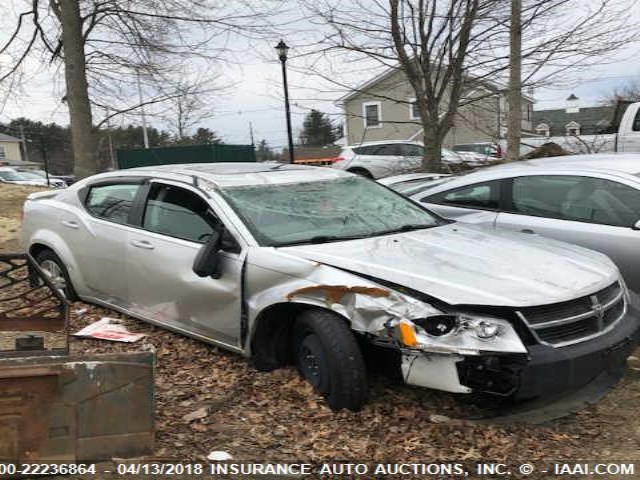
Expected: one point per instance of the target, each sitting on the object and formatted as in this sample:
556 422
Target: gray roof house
383 108
575 120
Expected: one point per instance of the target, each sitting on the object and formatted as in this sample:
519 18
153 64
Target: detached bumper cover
549 370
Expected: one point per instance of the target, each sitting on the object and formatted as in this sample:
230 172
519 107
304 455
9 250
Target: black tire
327 355
362 172
49 256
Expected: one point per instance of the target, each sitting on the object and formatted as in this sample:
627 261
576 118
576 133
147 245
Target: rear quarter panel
42 226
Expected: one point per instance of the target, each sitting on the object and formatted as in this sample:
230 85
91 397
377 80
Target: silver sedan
292 264
589 200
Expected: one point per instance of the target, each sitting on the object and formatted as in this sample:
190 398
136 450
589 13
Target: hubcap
54 274
312 363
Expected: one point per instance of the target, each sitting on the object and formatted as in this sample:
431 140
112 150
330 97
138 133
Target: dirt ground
277 417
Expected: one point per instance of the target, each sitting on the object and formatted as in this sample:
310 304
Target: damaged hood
472 265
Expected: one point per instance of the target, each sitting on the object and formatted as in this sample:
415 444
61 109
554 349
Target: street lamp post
282 50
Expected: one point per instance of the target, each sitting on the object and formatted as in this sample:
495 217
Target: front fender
366 305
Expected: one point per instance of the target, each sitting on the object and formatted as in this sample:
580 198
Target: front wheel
328 357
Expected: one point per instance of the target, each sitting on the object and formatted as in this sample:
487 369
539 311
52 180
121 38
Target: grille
565 323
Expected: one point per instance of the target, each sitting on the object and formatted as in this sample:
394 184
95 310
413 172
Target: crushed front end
522 353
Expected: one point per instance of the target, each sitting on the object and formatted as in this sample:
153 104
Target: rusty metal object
76 409
59 408
33 314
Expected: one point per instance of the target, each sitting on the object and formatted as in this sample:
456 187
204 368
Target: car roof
382 142
619 164
237 173
610 162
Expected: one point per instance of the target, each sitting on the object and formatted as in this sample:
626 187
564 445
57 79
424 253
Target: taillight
499 151
336 159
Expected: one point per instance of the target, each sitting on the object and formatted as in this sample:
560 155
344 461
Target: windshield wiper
409 227
323 239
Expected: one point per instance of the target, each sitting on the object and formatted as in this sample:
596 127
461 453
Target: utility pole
110 140
24 144
142 115
45 160
251 133
514 96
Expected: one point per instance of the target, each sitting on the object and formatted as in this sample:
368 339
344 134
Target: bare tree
456 52
189 103
630 92
103 44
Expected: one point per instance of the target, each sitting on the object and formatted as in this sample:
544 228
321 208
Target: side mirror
207 262
636 226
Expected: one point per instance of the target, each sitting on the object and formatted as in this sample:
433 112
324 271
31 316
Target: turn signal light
407 334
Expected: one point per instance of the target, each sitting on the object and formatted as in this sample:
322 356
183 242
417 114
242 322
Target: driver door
176 222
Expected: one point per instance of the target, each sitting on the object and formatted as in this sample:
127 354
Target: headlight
461 333
484 329
438 325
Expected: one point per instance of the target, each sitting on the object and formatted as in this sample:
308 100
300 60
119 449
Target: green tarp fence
141 157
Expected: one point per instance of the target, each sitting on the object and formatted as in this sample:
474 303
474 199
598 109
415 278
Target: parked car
11 176
40 176
589 200
286 263
393 157
410 183
484 149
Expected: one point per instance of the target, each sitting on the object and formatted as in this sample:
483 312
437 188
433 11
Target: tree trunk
82 135
432 161
514 126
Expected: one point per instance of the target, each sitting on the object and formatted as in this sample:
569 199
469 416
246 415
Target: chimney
572 104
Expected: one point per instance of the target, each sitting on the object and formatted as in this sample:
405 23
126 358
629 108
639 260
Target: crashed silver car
290 264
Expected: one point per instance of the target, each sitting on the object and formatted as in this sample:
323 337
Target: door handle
70 224
527 230
142 244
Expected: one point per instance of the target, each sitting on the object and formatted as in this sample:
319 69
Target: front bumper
545 371
554 370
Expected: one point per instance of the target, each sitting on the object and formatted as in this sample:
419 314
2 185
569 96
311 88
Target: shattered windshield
324 211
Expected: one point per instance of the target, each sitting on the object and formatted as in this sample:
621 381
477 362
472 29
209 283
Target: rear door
411 156
596 213
98 238
176 221
381 160
477 203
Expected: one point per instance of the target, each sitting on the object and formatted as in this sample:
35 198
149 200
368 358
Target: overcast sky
256 95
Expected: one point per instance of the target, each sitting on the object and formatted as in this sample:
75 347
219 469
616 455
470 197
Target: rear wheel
57 273
328 357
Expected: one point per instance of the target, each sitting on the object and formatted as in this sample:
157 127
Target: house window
543 129
3 154
573 129
414 111
372 114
